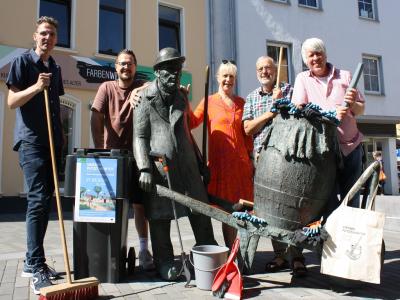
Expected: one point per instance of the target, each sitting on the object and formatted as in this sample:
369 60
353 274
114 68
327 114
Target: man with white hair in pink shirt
327 86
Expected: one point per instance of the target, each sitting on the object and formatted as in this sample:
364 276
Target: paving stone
146 285
6 288
22 281
20 293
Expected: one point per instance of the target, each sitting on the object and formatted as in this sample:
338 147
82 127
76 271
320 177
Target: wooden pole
56 188
278 77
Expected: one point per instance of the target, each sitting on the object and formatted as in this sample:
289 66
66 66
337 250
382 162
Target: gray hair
265 57
313 44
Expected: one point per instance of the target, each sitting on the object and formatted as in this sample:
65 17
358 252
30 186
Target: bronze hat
166 55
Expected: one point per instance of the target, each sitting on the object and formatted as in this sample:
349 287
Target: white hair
313 44
261 58
227 67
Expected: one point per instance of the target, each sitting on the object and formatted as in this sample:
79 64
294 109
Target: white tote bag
353 249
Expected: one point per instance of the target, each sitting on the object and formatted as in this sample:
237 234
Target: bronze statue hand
146 181
135 96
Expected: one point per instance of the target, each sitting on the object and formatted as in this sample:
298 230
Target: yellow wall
144 42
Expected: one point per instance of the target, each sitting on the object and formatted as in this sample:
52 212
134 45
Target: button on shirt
30 123
257 103
309 89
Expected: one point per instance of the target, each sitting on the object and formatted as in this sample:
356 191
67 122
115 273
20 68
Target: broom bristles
83 289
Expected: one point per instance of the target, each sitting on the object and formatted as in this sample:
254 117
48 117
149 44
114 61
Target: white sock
143 244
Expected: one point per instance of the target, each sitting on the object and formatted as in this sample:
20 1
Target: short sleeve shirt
257 103
309 89
112 101
30 123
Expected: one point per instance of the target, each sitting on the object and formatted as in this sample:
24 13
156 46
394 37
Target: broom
86 288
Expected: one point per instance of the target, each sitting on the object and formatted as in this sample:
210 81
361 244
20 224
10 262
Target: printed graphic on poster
96 180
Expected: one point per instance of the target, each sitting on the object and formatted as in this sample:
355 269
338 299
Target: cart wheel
131 259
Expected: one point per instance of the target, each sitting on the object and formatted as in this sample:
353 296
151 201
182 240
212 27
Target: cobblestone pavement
146 285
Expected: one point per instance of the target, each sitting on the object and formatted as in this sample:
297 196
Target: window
169 32
70 112
309 3
61 11
273 51
1 135
112 26
366 9
372 74
281 1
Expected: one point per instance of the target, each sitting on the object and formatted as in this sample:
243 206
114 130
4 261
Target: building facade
91 33
354 31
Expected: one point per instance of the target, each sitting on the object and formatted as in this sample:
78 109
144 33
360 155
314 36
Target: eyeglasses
225 61
261 69
125 64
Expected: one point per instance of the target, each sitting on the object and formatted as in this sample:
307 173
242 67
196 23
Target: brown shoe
275 266
299 269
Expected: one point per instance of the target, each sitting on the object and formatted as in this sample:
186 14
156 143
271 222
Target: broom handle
55 178
278 77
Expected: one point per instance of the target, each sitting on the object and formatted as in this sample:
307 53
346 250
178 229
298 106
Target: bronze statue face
169 75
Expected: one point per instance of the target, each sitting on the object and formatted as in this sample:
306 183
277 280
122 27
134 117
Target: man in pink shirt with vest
326 86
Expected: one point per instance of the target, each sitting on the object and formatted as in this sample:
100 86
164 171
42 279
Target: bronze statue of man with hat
161 126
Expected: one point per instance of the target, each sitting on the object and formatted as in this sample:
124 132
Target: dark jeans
346 178
36 165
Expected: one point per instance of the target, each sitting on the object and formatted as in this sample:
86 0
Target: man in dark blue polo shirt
30 73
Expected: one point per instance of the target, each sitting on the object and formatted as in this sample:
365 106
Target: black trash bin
99 249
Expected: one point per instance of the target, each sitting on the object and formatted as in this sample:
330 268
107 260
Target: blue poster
96 181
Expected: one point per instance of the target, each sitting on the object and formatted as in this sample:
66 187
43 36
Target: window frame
318 3
374 6
379 74
181 24
288 47
75 105
287 2
2 113
125 29
71 22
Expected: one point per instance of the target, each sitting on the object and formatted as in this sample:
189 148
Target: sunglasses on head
225 61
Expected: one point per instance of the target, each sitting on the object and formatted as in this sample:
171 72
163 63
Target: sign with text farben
81 72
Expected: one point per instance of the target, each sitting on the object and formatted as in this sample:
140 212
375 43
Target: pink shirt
308 88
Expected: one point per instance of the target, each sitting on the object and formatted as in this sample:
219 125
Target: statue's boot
168 271
202 229
163 252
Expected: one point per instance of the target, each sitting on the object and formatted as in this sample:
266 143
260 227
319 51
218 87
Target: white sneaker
146 260
40 280
27 271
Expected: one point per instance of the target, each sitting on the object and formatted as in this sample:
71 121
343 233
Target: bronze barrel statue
295 172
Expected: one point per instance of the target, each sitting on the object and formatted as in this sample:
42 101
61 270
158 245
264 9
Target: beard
169 85
125 76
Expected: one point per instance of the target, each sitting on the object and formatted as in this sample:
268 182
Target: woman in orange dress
229 148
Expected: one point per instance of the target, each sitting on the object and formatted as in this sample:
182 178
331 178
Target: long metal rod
205 118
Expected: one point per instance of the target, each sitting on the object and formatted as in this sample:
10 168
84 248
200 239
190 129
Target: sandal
273 265
299 270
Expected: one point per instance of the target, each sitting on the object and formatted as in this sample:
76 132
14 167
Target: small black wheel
131 259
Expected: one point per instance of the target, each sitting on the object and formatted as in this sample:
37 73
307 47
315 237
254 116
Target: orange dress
228 149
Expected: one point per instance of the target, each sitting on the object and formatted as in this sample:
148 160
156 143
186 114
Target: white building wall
346 35
347 38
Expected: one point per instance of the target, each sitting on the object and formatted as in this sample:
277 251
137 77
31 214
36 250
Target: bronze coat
164 128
